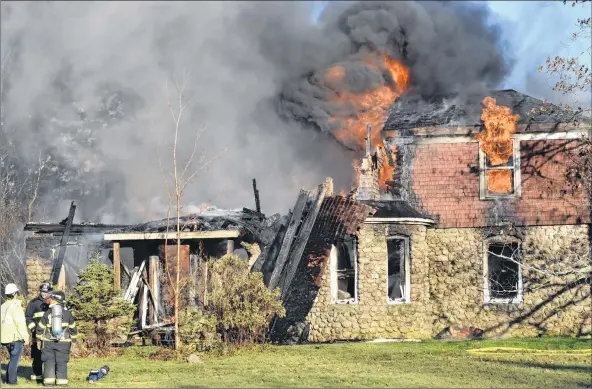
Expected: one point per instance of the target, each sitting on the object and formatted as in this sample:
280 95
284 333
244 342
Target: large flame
496 142
370 108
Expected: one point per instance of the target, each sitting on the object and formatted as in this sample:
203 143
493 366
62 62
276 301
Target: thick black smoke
447 47
83 93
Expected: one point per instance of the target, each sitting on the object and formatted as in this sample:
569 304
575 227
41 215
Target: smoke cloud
448 48
84 92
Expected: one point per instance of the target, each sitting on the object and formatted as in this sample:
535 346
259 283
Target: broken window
503 273
398 269
499 177
344 267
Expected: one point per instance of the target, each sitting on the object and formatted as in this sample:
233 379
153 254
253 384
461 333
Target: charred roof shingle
453 111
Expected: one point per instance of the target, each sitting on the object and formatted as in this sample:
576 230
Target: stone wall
555 310
447 287
40 251
38 270
372 317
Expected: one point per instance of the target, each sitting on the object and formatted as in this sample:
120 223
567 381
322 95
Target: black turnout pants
55 357
36 356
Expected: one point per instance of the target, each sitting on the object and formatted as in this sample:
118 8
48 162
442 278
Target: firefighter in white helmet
13 331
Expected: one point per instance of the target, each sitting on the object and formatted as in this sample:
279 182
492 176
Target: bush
238 311
102 315
197 329
240 301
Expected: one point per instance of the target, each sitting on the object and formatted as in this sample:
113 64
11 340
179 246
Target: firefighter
34 313
57 331
13 331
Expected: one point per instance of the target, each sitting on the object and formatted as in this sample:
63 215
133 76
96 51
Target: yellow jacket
14 324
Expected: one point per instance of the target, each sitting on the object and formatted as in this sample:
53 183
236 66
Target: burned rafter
57 265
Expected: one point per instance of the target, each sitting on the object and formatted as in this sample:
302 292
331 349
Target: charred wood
295 221
302 238
57 265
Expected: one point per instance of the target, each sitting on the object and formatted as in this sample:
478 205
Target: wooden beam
76 228
229 247
218 234
135 283
302 239
271 249
288 238
116 267
154 266
256 193
57 265
62 279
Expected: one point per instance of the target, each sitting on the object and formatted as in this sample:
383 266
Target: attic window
398 269
344 272
503 273
500 179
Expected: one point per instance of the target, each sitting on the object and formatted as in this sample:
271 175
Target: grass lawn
543 362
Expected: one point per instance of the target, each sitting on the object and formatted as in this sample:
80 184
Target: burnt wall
42 250
445 181
338 217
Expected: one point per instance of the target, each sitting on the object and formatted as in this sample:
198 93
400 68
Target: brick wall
445 181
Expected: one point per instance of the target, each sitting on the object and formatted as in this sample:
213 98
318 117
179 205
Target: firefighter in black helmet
33 314
57 331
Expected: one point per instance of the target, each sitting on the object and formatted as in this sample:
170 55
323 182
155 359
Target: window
499 178
503 272
344 272
398 269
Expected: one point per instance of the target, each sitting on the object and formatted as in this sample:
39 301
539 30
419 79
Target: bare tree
176 182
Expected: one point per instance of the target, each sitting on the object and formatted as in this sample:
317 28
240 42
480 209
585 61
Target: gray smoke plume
448 48
83 92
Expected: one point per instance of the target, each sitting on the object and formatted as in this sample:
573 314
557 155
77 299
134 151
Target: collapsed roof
213 219
454 110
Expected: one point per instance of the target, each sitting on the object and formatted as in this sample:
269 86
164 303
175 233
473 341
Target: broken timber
133 288
288 238
57 265
220 234
270 250
256 193
302 239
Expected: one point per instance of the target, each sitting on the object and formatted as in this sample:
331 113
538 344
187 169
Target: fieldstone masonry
447 287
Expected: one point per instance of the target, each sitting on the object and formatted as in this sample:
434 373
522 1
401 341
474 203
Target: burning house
479 232
462 218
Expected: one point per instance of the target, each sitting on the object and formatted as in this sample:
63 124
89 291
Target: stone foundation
447 287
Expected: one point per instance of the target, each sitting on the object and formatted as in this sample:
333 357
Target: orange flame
499 181
370 107
496 142
496 139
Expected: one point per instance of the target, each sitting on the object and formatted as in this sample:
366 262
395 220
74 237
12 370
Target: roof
393 209
452 110
213 219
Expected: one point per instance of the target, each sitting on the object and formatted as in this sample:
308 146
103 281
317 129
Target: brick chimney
368 185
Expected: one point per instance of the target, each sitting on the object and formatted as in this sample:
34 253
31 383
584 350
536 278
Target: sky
533 30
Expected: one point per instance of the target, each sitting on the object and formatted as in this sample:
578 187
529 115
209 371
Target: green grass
560 362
